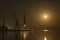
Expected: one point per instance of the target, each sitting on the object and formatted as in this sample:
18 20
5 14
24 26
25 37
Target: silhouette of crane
16 27
24 28
16 22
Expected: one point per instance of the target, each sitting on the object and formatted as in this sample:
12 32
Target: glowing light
45 16
45 38
24 34
24 25
45 30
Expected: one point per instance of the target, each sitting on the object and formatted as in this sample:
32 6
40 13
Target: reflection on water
26 35
16 35
3 34
45 38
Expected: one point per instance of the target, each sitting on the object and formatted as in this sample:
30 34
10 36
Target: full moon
45 16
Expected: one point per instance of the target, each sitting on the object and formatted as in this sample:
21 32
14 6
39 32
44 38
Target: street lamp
45 30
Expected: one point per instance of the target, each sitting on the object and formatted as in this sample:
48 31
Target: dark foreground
29 35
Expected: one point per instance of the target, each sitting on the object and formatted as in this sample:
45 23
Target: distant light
45 30
24 25
45 16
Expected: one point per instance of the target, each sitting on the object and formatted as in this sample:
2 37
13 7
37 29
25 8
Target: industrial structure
3 27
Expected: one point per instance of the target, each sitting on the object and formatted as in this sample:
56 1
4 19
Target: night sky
32 9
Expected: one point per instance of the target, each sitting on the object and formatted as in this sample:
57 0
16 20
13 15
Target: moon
45 16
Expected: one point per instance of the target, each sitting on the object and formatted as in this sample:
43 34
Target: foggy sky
31 8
